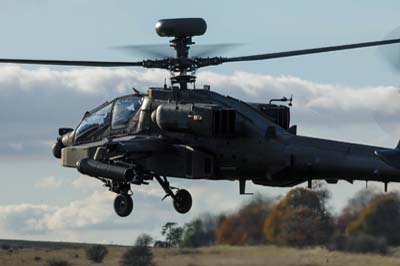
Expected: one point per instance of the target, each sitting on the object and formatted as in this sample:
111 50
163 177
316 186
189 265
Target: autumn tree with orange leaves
300 219
246 226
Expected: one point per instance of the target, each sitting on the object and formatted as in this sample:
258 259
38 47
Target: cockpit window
124 109
93 124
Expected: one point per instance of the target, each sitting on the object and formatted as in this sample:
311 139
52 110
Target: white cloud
23 218
102 81
93 210
82 88
50 182
85 183
98 81
38 219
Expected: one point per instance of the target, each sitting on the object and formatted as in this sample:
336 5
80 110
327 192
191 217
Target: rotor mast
182 30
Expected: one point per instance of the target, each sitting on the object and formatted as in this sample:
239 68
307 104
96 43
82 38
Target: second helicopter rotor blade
153 51
391 54
308 51
207 50
71 62
150 51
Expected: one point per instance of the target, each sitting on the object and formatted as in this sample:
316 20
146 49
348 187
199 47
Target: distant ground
219 255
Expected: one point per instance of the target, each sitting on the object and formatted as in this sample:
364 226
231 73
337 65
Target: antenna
283 99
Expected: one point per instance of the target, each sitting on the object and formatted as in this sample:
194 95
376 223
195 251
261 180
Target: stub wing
134 145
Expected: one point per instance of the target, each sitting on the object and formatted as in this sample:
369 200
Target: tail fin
390 156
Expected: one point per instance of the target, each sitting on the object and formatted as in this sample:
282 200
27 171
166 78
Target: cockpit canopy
109 117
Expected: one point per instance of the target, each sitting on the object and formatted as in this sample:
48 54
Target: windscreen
124 109
94 123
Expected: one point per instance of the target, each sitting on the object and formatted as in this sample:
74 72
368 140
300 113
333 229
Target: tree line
369 223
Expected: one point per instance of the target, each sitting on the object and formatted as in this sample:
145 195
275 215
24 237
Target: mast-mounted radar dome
181 27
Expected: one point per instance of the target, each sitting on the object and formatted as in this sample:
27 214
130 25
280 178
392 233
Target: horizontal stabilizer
391 157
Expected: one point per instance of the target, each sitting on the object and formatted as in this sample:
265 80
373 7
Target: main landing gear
123 203
182 200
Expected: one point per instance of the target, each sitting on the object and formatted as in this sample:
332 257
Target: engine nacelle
199 119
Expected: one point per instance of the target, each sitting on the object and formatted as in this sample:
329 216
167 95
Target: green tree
144 240
200 231
172 233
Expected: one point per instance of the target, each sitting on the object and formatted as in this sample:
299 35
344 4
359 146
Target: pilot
123 114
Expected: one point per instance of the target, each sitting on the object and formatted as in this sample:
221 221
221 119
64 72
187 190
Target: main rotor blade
308 51
391 53
208 50
163 51
71 63
151 51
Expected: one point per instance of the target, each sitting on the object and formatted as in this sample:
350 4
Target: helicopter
187 132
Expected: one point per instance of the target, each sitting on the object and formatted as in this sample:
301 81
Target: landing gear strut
182 200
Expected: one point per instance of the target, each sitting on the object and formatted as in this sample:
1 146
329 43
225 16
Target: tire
123 205
182 201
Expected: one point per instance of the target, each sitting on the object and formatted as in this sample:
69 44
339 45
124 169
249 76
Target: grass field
219 255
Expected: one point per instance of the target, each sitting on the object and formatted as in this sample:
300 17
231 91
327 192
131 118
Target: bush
367 244
5 246
137 256
379 219
56 262
338 243
96 253
161 244
359 244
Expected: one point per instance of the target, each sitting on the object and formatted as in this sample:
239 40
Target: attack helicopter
194 133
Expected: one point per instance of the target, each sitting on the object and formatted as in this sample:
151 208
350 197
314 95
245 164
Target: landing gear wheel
123 205
182 201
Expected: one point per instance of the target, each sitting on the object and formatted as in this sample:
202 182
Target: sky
350 96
